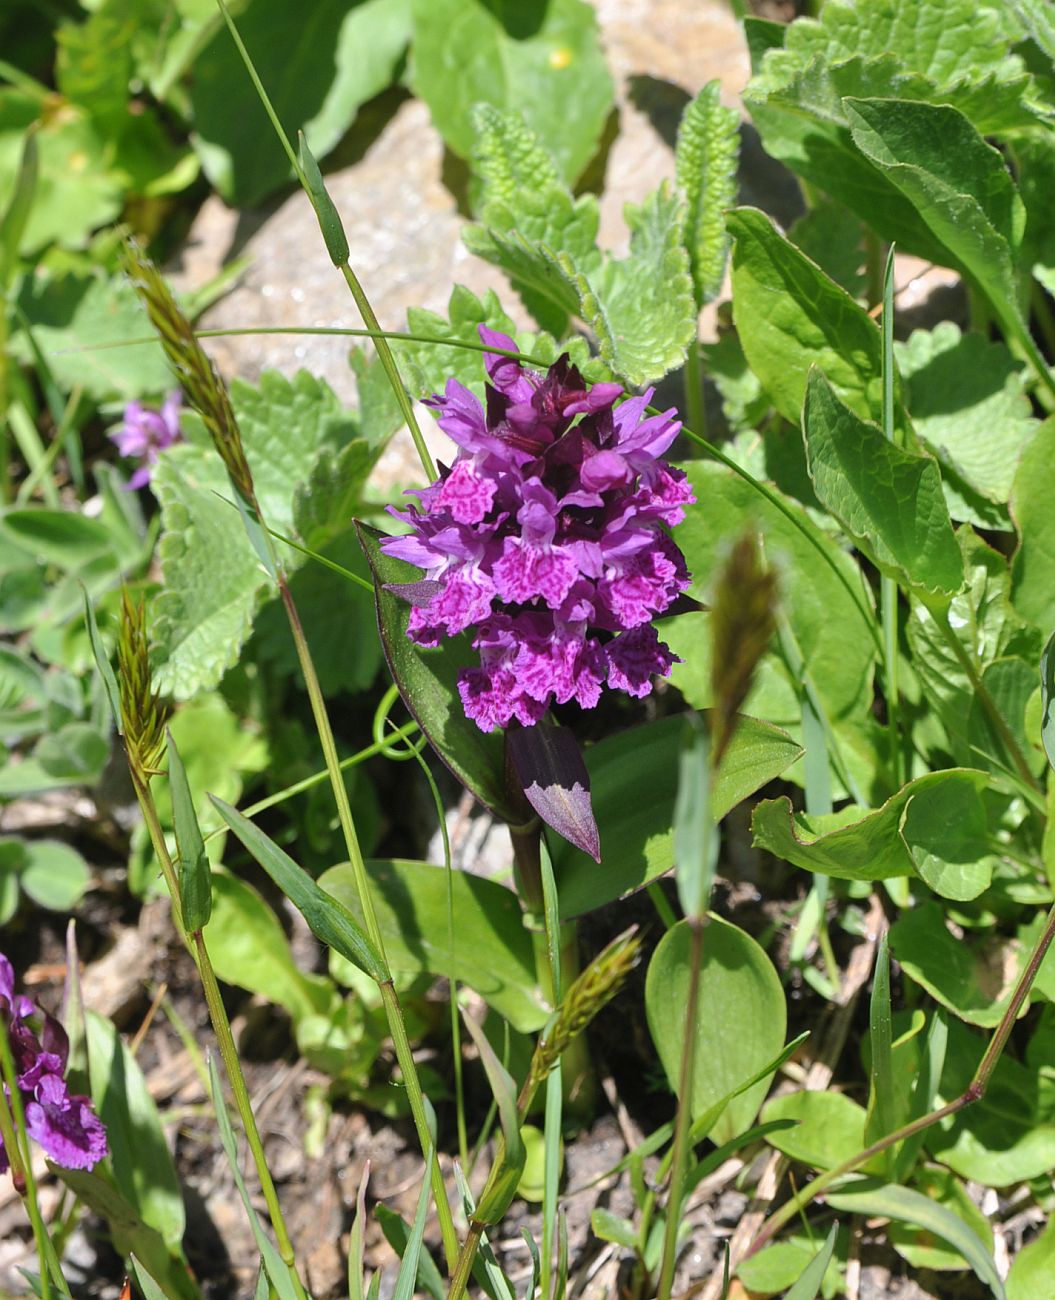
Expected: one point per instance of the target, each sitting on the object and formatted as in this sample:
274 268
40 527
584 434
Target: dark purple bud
553 776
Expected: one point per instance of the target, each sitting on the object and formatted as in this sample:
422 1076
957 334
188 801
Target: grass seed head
143 713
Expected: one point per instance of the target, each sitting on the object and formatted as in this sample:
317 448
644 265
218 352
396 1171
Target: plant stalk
224 1037
974 1091
683 1122
390 998
695 408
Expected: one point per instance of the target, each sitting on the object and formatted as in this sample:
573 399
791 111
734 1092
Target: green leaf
830 235
504 1177
528 215
1047 698
249 948
828 1127
1033 1266
889 500
633 785
705 163
492 952
959 184
61 537
737 985
54 875
777 1267
809 1283
1033 566
883 1116
363 45
696 837
324 502
330 921
918 1246
642 309
873 1197
791 316
818 598
195 876
139 1155
935 824
545 63
77 190
427 682
408 1267
213 579
69 313
972 975
966 395
18 207
397 1235
75 754
612 1227
102 662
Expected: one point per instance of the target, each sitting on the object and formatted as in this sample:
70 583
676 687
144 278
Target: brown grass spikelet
743 622
143 713
204 389
593 989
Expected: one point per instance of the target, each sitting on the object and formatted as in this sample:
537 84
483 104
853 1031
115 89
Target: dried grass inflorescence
202 385
143 712
595 988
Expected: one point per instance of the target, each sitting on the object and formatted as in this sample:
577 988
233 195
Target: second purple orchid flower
547 536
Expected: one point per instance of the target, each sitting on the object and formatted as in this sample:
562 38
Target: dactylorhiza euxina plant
547 537
65 1125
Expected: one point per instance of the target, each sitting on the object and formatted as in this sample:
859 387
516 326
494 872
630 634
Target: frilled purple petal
547 537
65 1126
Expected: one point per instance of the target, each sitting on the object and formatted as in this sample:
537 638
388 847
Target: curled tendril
397 753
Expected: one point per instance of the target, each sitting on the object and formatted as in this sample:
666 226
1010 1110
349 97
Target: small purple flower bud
65 1126
547 537
145 434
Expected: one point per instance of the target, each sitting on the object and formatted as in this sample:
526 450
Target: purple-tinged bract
145 434
548 537
64 1124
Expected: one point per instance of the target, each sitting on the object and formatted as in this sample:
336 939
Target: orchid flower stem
974 1091
224 1037
389 997
683 1122
12 1127
695 409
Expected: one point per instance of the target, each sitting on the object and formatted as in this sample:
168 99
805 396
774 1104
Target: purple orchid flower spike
145 434
64 1124
547 538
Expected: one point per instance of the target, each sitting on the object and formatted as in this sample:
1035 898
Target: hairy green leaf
705 163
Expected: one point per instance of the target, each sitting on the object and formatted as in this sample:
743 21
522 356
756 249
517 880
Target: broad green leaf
1009 683
737 985
987 627
1033 567
966 395
131 1235
889 500
325 502
642 309
917 1245
1033 1267
791 316
833 237
809 1283
971 975
744 401
330 921
633 784
935 826
696 837
74 754
612 1227
545 63
213 578
829 1127
873 1197
778 1266
492 950
705 163
240 152
249 949
140 1158
959 184
831 629
62 537
78 189
54 874
428 683
69 313
195 876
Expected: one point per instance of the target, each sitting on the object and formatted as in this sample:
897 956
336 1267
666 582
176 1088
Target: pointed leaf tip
549 765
